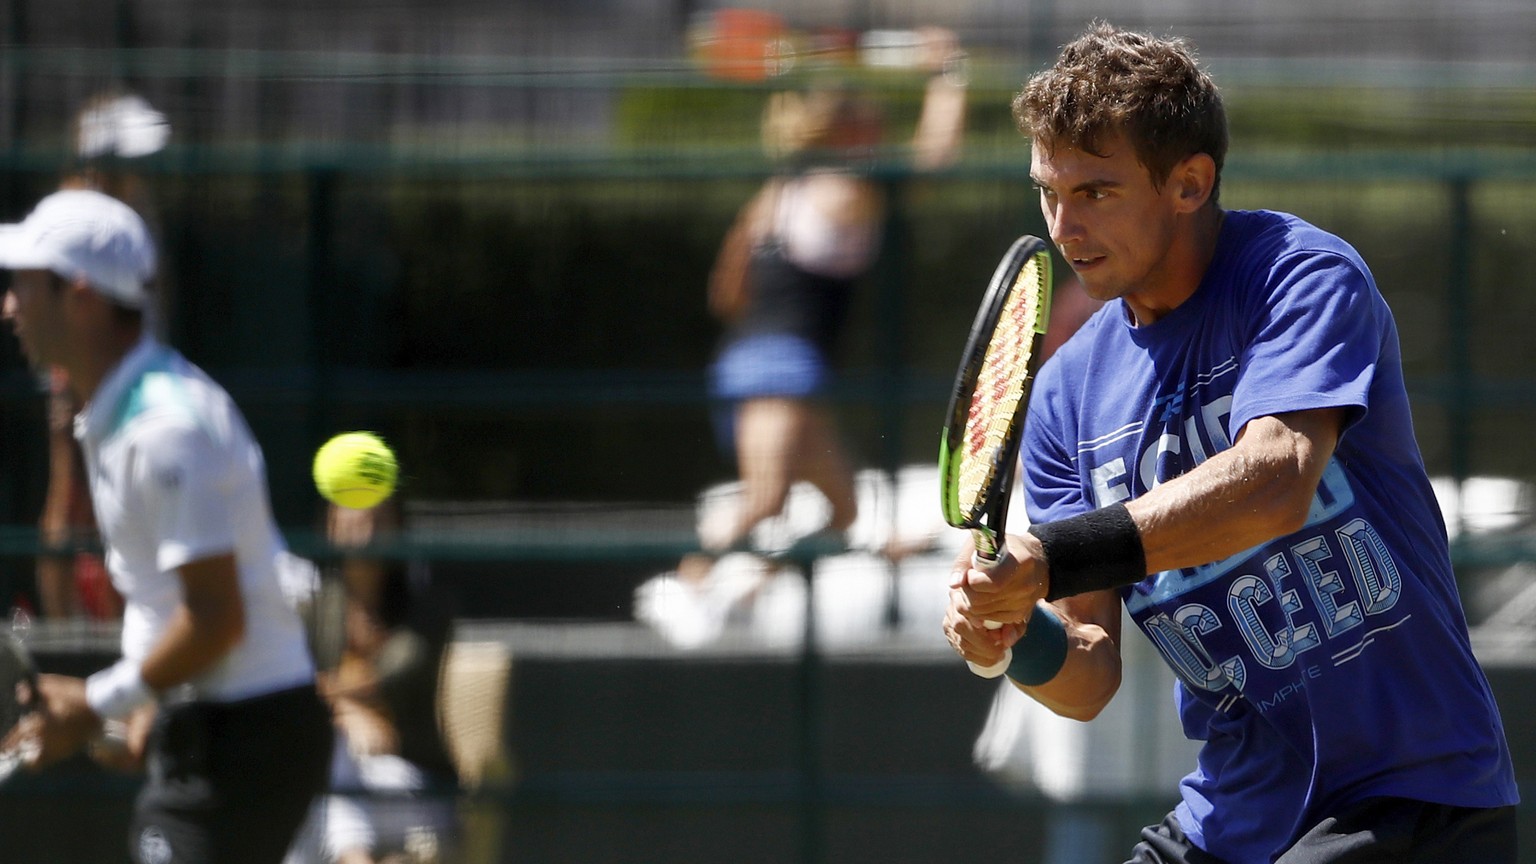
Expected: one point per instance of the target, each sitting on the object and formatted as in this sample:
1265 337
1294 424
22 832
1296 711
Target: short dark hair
123 315
1113 81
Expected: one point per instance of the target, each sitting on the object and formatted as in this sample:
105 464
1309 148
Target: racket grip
997 669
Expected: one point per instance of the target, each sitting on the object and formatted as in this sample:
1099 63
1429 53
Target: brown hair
1113 81
823 119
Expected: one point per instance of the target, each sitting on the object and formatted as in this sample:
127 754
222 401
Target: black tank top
786 299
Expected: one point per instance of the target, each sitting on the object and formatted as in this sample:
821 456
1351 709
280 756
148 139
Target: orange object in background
745 45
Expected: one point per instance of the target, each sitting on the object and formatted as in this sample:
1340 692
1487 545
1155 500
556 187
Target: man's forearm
1090 674
1255 491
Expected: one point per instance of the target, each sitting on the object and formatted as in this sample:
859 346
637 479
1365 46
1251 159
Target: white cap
78 233
125 126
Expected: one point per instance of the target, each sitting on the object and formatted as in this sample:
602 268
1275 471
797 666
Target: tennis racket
985 422
18 696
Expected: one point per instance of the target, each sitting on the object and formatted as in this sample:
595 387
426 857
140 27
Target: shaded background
483 230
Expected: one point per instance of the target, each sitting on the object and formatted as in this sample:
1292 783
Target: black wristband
1092 551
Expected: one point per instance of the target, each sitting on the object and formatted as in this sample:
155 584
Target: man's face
1110 223
33 306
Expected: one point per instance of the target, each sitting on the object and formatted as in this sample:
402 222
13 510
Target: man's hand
971 639
367 730
122 744
62 725
1007 591
1005 594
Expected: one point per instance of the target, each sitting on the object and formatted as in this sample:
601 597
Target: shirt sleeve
184 486
1052 487
1315 342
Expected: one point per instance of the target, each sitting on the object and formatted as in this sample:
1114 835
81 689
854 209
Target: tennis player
1234 423
241 739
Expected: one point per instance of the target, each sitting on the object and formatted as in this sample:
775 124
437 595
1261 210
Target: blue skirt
762 366
771 364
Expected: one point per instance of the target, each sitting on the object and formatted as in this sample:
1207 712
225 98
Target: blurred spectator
71 577
784 282
392 781
112 130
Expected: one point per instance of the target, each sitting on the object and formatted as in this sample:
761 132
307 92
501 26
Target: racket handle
997 669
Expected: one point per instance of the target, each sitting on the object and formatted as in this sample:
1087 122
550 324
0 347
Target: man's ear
1192 181
80 298
75 289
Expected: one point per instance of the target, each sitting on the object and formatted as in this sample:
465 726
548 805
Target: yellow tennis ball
356 470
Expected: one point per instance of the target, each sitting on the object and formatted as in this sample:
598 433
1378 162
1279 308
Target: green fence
531 329
523 316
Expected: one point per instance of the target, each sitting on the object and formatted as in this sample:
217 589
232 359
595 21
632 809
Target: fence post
813 797
321 290
890 344
1458 305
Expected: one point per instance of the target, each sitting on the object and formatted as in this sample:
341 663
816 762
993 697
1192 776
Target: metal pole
890 333
812 779
1459 404
321 299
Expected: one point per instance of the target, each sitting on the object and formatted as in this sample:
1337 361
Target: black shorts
1376 831
231 782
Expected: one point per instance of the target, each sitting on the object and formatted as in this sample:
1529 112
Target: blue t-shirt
1325 666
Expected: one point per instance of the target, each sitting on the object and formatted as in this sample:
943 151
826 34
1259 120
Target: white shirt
176 477
816 242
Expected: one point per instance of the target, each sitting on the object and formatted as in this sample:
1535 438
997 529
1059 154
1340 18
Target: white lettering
1215 414
1192 435
1166 443
1325 585
1372 566
1106 488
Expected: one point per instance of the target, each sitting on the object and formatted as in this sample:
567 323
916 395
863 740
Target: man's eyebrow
1085 186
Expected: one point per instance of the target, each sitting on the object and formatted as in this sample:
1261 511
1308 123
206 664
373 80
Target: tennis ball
356 470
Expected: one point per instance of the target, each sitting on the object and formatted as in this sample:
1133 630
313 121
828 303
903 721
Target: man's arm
207 625
1090 675
1090 671
209 622
1259 489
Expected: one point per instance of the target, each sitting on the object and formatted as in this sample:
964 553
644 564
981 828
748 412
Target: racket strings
1000 385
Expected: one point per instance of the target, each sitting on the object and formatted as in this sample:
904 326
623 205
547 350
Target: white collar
99 417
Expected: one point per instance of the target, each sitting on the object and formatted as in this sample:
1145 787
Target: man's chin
1099 291
35 363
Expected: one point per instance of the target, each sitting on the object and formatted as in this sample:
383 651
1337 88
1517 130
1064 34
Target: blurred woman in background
784 283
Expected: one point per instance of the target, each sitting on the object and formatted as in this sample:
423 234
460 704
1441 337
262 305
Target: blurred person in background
112 132
784 281
1226 450
393 784
240 739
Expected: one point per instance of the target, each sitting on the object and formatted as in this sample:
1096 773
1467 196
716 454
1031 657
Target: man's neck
1209 236
1184 268
100 358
